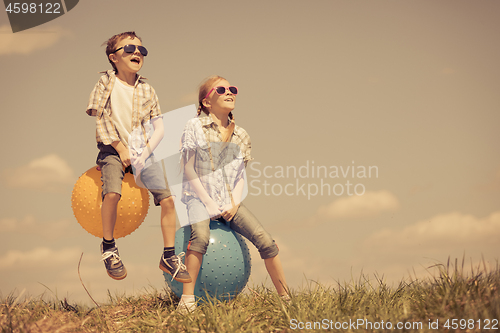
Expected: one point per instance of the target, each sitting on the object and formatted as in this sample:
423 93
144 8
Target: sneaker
176 268
113 263
185 307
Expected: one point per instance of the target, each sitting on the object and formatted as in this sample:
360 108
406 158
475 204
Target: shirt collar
206 121
112 75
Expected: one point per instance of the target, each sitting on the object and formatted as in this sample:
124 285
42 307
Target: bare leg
168 221
108 214
275 270
193 264
172 265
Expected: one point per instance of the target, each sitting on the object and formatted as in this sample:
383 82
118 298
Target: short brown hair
111 44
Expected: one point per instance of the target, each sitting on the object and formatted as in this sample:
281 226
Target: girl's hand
213 209
228 211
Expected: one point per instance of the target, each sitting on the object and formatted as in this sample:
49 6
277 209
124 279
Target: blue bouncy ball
225 268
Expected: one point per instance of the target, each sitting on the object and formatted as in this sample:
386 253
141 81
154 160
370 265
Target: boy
122 101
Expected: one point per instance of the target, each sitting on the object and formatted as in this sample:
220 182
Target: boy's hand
122 152
125 157
138 161
228 211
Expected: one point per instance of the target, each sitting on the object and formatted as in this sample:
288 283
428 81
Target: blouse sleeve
188 140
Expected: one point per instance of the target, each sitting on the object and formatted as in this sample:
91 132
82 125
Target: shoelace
114 260
179 263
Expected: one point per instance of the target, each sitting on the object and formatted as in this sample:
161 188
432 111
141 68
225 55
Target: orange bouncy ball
86 203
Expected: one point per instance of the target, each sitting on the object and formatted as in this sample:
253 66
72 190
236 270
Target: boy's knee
112 197
168 203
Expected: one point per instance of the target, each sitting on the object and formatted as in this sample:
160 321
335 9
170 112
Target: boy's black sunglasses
130 48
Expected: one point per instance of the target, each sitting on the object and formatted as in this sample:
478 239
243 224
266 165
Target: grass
363 305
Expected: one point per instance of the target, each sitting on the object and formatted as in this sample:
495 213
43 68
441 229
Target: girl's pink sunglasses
220 90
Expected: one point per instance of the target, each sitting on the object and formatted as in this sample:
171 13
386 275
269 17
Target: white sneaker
186 306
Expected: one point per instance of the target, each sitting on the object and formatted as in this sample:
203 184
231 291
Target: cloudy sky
374 130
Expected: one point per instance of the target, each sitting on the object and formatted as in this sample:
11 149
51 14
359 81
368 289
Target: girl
215 152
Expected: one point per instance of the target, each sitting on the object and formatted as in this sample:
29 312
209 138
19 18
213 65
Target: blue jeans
243 222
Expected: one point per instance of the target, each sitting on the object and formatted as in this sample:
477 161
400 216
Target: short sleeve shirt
145 106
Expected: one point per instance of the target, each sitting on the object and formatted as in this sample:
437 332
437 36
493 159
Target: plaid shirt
145 107
230 158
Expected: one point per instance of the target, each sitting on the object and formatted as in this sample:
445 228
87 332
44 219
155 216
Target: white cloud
38 258
28 225
13 225
443 232
367 205
49 173
26 42
413 249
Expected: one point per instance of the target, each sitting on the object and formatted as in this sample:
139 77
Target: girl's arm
238 191
228 211
213 209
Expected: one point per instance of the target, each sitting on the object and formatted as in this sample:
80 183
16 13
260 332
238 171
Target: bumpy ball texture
225 268
86 203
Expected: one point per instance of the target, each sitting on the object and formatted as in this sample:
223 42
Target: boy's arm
106 132
157 122
95 99
140 161
159 132
122 151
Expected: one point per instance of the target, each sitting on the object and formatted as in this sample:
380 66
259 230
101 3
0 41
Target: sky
374 128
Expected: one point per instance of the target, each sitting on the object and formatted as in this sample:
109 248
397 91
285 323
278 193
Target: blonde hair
203 91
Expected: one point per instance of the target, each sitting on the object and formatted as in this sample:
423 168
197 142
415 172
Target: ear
113 58
206 103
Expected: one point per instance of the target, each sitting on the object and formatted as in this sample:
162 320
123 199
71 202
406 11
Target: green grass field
455 300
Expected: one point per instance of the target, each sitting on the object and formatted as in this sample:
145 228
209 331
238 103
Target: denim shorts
243 222
112 174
